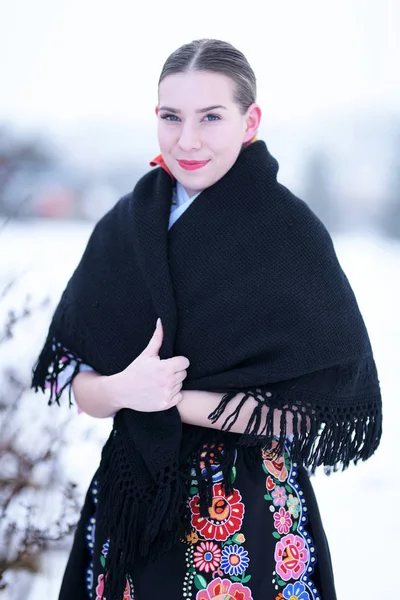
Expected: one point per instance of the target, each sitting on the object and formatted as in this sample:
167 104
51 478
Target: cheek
166 135
227 152
227 139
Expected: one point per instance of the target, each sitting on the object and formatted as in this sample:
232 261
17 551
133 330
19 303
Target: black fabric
249 288
165 577
73 582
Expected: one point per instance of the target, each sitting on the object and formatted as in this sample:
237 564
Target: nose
189 138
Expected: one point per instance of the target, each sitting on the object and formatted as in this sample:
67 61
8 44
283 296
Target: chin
194 181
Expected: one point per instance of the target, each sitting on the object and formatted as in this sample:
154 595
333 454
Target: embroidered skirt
265 541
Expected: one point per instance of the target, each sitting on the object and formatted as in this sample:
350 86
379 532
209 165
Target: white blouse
180 202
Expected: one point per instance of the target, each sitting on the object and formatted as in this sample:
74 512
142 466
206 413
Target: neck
189 191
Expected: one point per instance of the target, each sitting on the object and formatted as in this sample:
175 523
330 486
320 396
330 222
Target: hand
150 384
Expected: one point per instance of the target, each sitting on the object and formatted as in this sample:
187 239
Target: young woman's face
200 127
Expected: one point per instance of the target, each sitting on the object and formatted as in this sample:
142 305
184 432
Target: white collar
182 196
180 202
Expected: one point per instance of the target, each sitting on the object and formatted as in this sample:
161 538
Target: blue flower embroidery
296 591
105 548
234 560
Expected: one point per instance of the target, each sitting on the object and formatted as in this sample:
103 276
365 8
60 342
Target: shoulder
299 217
120 213
299 231
123 206
112 219
150 181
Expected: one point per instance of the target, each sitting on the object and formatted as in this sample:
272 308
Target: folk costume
248 287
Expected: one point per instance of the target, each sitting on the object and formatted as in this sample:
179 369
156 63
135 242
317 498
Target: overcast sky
63 62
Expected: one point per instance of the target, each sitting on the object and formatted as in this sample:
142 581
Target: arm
149 384
95 394
67 375
195 407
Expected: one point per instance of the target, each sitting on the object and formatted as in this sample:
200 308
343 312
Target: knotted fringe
335 419
221 454
146 520
54 360
142 519
324 431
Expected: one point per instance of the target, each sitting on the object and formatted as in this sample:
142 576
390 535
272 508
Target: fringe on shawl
324 431
147 520
220 452
140 520
52 362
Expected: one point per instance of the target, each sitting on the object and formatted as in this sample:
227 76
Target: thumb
155 343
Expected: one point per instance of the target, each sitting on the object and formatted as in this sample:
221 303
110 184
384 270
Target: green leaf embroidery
280 582
233 474
246 579
276 535
288 488
295 525
267 497
200 582
234 578
193 490
227 542
102 561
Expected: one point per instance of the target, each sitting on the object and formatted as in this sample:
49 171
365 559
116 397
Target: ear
252 122
156 111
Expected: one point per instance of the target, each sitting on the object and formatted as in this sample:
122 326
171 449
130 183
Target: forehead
195 89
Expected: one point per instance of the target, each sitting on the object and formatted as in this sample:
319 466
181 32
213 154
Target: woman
259 369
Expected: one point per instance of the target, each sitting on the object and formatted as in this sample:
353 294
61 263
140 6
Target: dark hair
218 57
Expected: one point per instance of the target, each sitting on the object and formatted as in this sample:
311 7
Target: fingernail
158 322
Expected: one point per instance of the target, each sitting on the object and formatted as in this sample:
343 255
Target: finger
179 377
177 363
155 343
176 389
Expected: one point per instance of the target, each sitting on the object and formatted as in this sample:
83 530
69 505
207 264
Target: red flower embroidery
207 556
270 483
225 515
291 557
223 589
100 589
275 464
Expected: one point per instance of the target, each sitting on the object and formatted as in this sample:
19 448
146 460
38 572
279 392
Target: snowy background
78 85
359 506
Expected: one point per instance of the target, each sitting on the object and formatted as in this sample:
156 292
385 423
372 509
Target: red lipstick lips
192 165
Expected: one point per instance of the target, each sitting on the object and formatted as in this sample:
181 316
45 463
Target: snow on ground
359 506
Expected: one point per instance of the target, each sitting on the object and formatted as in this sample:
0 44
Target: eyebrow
200 110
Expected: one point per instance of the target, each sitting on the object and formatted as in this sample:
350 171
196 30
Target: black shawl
249 288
